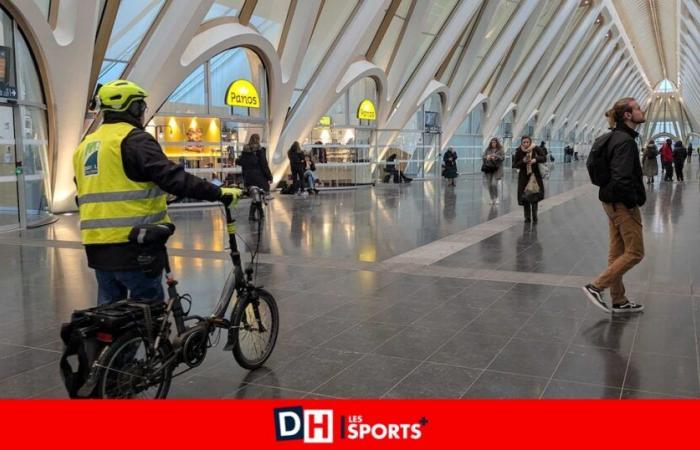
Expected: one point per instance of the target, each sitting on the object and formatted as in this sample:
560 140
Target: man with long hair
621 196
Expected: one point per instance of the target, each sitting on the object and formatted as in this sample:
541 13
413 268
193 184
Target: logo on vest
91 152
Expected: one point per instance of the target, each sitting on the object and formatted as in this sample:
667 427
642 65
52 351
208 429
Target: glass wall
24 178
468 142
417 145
133 21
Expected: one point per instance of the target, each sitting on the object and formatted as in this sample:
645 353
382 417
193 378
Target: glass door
9 200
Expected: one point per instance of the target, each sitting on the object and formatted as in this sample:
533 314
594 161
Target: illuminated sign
325 121
242 93
366 110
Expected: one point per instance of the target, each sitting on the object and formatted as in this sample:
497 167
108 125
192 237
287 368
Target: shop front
209 118
342 143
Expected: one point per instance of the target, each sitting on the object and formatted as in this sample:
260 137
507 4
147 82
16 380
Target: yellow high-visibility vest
110 203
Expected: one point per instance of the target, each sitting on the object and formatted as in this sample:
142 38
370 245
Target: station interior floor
405 291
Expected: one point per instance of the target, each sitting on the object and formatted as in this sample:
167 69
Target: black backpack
598 162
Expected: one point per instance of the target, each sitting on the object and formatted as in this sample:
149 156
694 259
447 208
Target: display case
343 156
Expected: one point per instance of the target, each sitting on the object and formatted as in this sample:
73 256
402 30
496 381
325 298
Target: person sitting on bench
391 169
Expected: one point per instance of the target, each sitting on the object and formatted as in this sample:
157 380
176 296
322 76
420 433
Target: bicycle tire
116 368
239 315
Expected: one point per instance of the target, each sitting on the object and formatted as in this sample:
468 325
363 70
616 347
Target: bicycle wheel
130 373
254 327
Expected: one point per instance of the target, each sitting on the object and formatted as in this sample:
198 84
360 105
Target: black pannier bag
88 335
90 332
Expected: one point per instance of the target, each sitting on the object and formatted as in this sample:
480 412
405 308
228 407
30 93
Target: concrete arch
211 41
435 87
365 69
664 134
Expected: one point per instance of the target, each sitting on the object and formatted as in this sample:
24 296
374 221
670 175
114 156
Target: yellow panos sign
242 93
366 110
325 121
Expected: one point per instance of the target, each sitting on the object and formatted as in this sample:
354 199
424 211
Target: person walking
679 156
450 161
650 167
122 180
667 160
296 164
530 186
621 197
690 152
492 167
256 172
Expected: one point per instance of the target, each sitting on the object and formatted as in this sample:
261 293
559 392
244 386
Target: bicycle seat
151 234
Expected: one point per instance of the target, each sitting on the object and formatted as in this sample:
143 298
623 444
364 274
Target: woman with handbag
492 167
649 165
530 186
450 162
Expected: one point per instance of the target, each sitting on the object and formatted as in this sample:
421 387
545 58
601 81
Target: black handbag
489 166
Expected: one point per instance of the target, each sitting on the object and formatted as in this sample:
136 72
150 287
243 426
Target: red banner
264 424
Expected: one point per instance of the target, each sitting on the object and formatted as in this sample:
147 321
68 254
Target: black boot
526 208
534 212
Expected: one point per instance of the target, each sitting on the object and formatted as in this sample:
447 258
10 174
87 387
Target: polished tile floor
499 315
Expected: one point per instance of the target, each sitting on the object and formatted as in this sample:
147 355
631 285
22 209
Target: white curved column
329 75
583 81
536 88
485 70
474 45
408 101
589 88
534 56
550 102
65 55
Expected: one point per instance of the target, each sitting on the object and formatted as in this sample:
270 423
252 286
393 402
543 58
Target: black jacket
523 178
143 160
679 155
256 171
626 184
296 160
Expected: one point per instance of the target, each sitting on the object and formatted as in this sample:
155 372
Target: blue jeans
310 179
115 286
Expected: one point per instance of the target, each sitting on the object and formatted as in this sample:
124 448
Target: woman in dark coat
680 154
296 164
450 161
649 165
526 160
256 171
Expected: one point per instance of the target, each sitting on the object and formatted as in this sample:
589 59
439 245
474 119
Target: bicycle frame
236 281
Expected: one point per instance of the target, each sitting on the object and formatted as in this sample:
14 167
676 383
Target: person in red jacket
667 160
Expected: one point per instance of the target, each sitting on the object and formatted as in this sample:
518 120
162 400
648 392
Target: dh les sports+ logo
317 426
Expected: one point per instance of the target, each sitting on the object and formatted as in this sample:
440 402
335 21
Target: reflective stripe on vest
111 203
122 222
120 196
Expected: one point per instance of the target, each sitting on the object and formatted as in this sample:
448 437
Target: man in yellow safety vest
122 178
